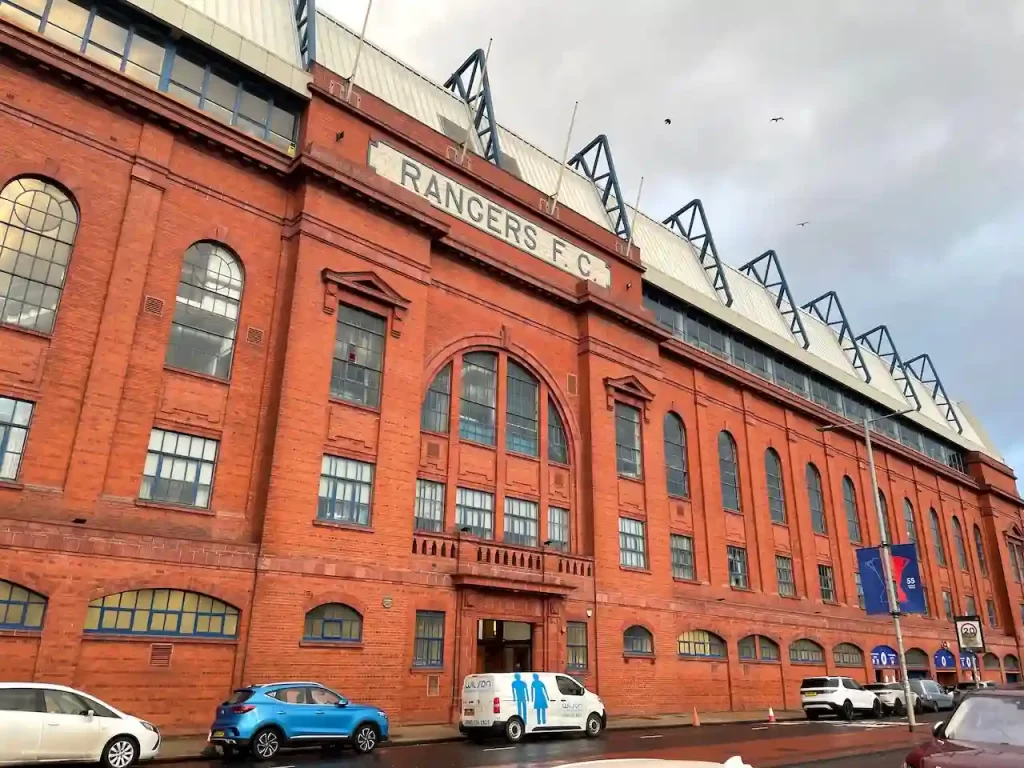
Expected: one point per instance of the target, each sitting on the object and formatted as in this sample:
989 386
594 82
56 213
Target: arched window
434 415
161 612
776 496
958 542
886 530
637 640
991 662
979 546
206 312
908 519
729 472
1011 663
806 652
521 426
758 648
334 622
558 446
478 401
940 547
20 608
917 659
675 456
848 655
852 515
701 644
816 499
38 223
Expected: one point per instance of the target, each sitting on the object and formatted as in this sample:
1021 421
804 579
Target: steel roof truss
691 222
471 83
596 163
305 24
767 270
924 371
834 317
879 341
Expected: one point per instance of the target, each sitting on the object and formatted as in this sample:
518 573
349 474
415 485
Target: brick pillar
102 400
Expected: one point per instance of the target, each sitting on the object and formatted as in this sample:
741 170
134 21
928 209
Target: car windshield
989 720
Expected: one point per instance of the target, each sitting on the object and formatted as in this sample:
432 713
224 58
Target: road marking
653 736
497 749
761 728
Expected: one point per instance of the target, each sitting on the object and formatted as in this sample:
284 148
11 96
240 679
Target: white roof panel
670 253
752 300
270 24
825 343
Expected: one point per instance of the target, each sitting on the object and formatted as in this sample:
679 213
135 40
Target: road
822 744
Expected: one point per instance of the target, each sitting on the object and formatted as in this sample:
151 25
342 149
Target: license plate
469 711
218 734
809 694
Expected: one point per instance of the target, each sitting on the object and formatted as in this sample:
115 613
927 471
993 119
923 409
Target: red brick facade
150 178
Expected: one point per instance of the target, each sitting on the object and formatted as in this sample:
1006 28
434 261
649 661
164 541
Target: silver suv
932 696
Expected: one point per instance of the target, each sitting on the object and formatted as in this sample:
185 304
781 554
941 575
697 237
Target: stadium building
304 378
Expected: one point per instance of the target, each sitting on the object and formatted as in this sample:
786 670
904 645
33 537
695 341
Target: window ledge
789 597
733 511
678 497
169 507
197 375
809 663
344 526
768 662
484 446
116 637
524 456
781 523
634 569
334 644
358 406
582 672
821 535
427 670
562 464
740 589
631 479
14 485
678 580
643 656
27 331
430 432
713 659
11 632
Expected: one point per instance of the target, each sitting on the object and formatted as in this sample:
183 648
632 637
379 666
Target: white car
840 696
894 698
41 723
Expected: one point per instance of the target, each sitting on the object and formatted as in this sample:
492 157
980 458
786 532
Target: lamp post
458 609
886 552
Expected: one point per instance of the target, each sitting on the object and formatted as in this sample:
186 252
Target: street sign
905 573
883 656
969 633
945 660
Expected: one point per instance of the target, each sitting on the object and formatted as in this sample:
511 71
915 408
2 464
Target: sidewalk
181 748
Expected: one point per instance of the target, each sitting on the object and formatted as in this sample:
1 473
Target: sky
902 144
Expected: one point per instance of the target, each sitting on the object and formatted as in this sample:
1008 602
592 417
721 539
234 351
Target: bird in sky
668 121
777 119
803 223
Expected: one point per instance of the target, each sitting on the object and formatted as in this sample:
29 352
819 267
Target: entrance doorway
503 646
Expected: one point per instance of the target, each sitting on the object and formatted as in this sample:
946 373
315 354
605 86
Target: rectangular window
784 573
475 510
179 469
429 506
737 557
479 393
345 490
947 605
576 640
15 416
827 582
521 428
972 607
358 356
632 547
682 557
1016 550
991 606
521 522
558 528
628 459
429 644
860 588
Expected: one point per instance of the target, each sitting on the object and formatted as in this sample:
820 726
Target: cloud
903 144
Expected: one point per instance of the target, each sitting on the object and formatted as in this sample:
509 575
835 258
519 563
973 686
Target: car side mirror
938 729
88 714
342 703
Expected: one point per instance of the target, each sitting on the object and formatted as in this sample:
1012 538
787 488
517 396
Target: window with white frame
346 487
521 420
477 405
784 574
852 515
632 546
773 476
629 462
558 528
429 514
682 557
358 356
827 583
738 575
15 416
475 510
521 522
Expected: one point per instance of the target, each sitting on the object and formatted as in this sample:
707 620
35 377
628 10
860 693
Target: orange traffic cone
696 717
771 715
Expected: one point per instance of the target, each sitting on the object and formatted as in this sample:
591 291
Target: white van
518 703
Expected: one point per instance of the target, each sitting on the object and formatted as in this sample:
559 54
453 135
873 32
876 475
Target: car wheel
898 709
265 744
876 708
918 708
514 730
366 738
848 710
120 752
594 726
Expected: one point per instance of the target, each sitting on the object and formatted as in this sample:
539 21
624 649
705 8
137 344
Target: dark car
985 731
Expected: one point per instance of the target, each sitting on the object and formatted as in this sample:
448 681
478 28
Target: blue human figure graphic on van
539 697
520 694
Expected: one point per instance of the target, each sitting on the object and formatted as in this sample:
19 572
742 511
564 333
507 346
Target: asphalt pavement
822 744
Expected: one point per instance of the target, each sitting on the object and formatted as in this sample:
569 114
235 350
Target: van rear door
478 692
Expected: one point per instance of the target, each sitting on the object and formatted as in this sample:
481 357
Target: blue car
265 718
